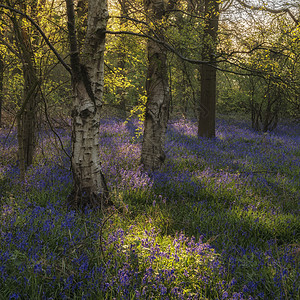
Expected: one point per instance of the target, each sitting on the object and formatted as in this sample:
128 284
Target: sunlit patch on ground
220 220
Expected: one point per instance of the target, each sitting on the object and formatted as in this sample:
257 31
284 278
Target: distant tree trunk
158 96
1 87
26 122
265 111
252 102
89 187
26 116
122 55
207 107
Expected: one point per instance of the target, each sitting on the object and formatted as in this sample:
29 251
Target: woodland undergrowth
220 220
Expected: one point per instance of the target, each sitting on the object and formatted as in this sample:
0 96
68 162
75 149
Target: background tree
125 61
207 107
1 86
261 49
87 81
26 115
186 33
121 49
175 37
22 44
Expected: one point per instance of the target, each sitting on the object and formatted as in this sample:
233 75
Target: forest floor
220 220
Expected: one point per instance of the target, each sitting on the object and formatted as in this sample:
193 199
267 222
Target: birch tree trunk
207 107
158 96
89 187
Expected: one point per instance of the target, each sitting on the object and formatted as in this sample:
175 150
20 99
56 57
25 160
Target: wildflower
225 295
163 289
14 296
38 268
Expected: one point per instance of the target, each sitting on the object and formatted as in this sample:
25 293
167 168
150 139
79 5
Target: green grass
208 232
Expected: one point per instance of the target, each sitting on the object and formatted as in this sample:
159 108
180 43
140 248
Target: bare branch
50 124
273 11
9 47
41 32
163 43
248 72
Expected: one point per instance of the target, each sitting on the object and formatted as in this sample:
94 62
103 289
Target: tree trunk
82 13
207 107
26 123
122 55
26 116
1 87
207 110
158 96
89 187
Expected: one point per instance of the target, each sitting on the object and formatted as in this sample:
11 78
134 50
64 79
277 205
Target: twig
51 127
41 32
101 232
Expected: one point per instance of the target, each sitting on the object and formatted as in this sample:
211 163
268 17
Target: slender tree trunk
207 115
122 55
26 116
252 103
207 107
1 87
26 123
158 96
89 187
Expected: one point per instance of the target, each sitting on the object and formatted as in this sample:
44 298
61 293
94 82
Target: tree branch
163 43
273 11
192 61
9 47
41 32
75 63
50 124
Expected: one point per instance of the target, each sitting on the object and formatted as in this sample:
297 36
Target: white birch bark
88 76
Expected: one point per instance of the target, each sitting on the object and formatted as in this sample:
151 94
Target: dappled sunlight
218 220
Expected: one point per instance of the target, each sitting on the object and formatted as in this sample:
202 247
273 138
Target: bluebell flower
225 295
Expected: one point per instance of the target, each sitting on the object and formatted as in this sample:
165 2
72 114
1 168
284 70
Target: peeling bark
89 187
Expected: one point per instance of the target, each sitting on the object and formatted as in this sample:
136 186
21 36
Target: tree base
83 198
